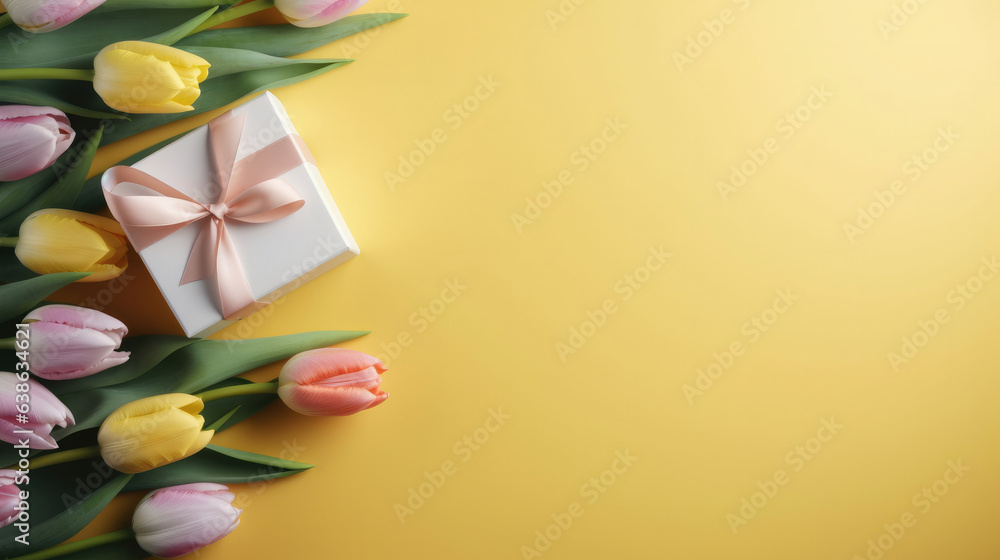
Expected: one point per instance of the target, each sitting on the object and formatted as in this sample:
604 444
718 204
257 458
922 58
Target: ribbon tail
233 291
203 254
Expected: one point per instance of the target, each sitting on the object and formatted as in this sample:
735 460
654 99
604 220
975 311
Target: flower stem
65 456
239 391
233 13
46 74
76 546
8 242
8 344
5 20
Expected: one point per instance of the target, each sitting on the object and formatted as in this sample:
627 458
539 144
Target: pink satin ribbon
250 192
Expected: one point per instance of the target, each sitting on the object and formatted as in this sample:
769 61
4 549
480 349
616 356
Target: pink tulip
331 382
31 138
177 520
45 411
69 342
42 16
314 13
10 497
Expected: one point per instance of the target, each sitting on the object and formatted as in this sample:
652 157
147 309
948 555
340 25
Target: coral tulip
153 432
10 497
70 342
314 13
174 521
140 77
42 16
45 412
31 138
331 382
68 241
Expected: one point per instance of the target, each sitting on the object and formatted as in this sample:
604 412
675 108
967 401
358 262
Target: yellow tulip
153 432
140 77
67 241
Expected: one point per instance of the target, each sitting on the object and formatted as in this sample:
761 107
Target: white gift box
276 256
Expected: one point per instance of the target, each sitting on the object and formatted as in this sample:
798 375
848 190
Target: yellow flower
153 432
139 77
68 241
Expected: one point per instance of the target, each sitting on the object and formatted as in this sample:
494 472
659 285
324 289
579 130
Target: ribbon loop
249 192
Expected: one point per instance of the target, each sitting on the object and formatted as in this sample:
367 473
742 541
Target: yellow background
656 185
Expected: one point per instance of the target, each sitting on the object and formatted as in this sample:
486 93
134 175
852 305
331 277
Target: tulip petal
313 400
316 365
177 520
42 17
65 240
314 13
80 317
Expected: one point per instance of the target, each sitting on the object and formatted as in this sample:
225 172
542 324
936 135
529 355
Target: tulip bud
174 521
10 497
31 138
331 382
140 77
68 241
153 432
42 16
44 412
69 342
314 13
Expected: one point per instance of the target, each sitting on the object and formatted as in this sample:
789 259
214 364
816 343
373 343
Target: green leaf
286 39
114 5
230 61
222 91
17 92
219 465
71 169
122 550
11 269
147 352
51 522
176 34
189 370
74 46
19 297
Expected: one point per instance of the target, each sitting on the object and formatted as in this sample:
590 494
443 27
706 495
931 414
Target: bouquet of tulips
87 412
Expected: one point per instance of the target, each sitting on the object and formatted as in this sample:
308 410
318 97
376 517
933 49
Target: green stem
8 242
65 456
239 391
46 74
8 344
5 20
76 546
233 13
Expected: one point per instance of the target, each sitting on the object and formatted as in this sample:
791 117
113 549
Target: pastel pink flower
31 138
314 13
174 521
45 412
69 342
331 382
42 16
10 497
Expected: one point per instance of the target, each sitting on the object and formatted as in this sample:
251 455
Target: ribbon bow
250 193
